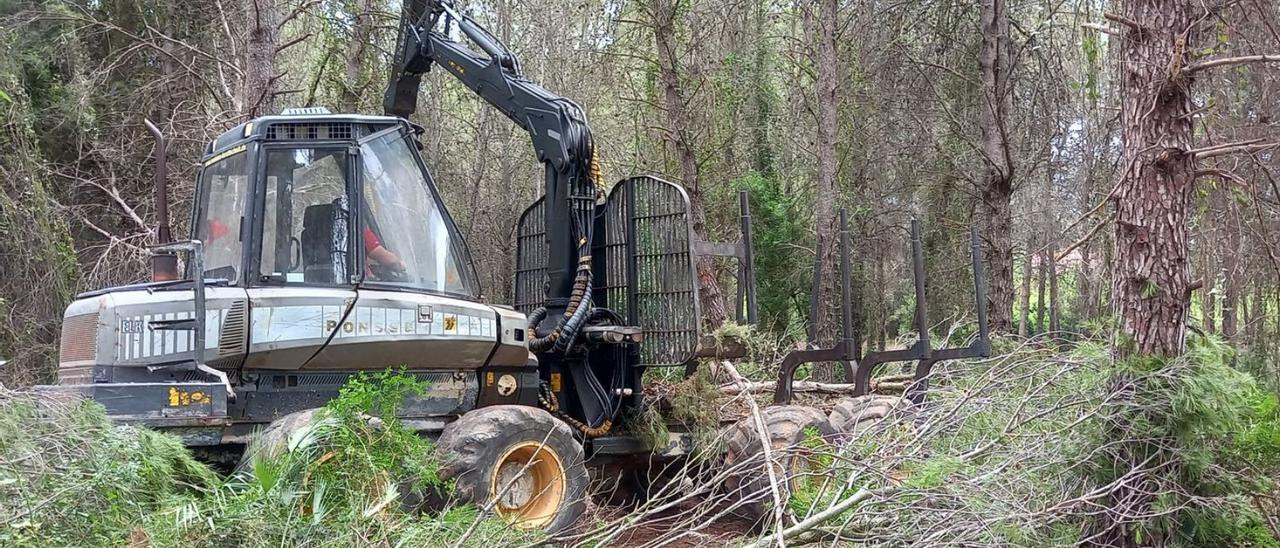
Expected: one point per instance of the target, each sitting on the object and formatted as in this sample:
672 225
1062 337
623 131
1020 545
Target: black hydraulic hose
565 333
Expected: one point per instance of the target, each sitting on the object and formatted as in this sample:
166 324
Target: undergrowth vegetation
1026 448
1023 449
69 477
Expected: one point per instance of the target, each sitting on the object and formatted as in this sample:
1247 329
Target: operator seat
324 244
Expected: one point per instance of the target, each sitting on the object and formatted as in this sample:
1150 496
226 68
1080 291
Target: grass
69 477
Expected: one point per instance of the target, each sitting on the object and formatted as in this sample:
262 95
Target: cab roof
304 124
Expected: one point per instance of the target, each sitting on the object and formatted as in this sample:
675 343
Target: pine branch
1249 146
1101 28
1227 61
1225 174
1092 232
292 43
1133 25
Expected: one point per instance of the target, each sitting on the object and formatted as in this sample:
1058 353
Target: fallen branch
726 368
778 505
820 517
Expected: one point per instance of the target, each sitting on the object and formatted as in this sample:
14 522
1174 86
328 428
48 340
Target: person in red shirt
374 251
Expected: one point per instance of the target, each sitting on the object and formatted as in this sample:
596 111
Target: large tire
524 454
788 428
273 441
852 416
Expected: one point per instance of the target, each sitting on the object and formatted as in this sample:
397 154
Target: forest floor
1006 451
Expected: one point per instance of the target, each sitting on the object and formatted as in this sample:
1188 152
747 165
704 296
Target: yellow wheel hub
528 485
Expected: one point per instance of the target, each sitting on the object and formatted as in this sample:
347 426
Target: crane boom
560 136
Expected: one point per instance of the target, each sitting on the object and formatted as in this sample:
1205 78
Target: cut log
727 347
877 385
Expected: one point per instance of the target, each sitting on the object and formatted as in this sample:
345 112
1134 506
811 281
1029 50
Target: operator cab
310 198
326 246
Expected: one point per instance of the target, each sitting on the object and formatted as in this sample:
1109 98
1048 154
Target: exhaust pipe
164 265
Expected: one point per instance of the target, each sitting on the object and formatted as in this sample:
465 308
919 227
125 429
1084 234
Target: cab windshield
408 241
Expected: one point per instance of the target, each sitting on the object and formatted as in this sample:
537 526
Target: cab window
407 239
305 216
223 191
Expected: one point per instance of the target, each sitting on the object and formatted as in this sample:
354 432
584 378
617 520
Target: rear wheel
853 416
795 435
523 461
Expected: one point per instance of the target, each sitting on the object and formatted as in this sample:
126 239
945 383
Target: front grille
339 379
79 339
293 131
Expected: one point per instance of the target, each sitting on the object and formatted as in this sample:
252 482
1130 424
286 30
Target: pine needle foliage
69 477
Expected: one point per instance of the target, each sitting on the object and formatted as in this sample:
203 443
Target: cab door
417 300
304 281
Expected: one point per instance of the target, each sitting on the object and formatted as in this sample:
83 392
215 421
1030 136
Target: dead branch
1250 146
1227 61
297 11
1223 173
1089 236
778 504
1101 28
820 517
292 43
1133 25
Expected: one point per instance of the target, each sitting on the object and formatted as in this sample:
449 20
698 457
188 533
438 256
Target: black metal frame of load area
860 368
746 308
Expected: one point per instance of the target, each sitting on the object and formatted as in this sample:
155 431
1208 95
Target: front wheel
520 460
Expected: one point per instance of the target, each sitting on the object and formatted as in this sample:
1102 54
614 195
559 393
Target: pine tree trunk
1024 308
824 190
1232 277
1150 276
1042 275
1208 297
258 91
994 211
1054 308
1257 304
882 315
1084 280
353 84
762 153
677 132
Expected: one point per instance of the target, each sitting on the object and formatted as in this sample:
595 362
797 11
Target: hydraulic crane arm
560 136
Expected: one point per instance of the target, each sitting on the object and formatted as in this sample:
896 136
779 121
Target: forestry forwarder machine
320 248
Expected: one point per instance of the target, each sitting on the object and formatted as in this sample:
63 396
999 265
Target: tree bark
1054 308
1024 308
1208 298
1150 276
994 209
354 83
258 90
1232 277
678 134
824 191
1042 275
1086 285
